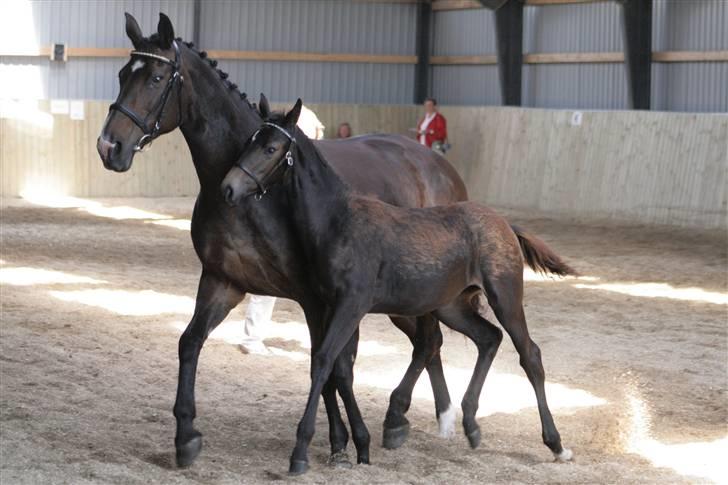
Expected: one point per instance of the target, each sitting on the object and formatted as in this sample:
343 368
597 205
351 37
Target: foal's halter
288 157
151 133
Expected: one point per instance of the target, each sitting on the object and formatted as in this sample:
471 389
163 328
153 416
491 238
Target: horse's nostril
116 148
228 194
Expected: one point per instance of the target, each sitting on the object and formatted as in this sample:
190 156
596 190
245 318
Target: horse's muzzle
110 154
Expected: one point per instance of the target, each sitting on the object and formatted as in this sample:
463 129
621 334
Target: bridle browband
151 133
288 157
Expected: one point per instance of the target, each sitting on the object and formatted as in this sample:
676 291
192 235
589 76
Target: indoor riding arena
491 246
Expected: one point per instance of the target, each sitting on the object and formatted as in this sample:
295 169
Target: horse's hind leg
426 339
343 375
506 301
464 315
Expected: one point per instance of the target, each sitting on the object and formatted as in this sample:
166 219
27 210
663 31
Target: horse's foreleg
316 318
426 338
215 299
341 328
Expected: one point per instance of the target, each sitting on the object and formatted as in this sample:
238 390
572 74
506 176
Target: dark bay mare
363 256
169 84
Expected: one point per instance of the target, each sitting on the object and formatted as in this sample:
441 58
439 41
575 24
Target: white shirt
309 123
425 123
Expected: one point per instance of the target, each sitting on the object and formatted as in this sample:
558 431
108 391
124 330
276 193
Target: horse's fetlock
400 400
469 407
361 437
552 440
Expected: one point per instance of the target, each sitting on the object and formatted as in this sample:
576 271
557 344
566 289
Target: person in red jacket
432 128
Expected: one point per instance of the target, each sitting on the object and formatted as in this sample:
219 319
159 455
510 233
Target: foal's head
266 156
149 102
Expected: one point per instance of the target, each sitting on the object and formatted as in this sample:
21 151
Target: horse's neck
216 122
317 196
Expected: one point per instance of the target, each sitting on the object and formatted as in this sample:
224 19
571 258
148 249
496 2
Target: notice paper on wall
76 111
59 106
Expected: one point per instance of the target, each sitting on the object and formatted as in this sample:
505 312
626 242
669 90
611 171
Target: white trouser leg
257 318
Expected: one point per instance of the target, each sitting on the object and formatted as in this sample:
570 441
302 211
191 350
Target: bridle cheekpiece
151 133
288 157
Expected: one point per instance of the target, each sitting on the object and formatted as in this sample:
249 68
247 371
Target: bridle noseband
151 133
288 157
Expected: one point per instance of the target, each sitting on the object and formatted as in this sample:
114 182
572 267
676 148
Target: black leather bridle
288 158
150 133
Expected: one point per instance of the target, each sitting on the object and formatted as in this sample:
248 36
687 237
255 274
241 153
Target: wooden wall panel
646 167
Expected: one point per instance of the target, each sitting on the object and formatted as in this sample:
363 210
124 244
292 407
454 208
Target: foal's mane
305 149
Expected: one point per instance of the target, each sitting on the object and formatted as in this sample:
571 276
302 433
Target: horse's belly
412 293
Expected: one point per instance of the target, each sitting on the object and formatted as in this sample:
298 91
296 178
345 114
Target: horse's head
149 102
266 156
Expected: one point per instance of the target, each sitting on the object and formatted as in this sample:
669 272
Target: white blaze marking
138 64
447 422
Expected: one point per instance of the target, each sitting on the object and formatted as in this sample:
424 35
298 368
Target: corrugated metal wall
316 26
558 28
464 33
80 23
694 25
595 27
285 25
379 28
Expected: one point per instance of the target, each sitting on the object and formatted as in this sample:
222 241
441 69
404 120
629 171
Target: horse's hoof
395 437
362 460
298 467
474 438
187 452
565 455
340 459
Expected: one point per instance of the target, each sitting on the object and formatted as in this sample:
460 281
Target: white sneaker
255 347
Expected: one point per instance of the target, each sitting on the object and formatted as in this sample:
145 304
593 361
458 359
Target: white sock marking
447 422
565 455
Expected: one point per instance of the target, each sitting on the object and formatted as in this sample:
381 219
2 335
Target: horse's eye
270 150
156 79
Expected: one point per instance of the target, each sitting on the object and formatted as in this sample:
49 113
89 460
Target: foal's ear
165 31
292 116
263 107
133 30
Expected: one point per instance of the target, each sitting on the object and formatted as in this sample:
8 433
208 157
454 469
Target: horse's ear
292 116
133 30
263 107
165 31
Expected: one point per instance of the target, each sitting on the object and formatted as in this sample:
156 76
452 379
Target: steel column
637 33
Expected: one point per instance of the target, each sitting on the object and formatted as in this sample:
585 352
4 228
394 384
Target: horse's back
394 169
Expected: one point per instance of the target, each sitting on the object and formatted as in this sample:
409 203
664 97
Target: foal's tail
539 257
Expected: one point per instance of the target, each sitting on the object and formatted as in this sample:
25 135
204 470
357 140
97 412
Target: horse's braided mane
154 41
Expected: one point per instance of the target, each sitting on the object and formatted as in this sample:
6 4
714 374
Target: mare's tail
539 257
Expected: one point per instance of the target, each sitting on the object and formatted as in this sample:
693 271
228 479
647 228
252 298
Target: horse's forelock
277 117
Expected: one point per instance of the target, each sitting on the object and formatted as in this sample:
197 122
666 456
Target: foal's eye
156 79
270 150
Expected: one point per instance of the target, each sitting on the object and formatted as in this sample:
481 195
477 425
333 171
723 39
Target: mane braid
153 39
